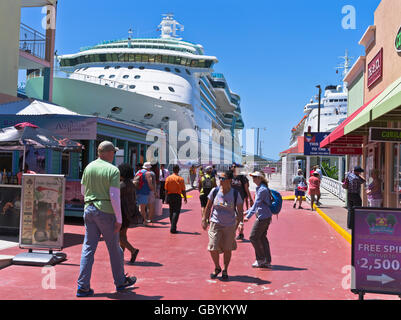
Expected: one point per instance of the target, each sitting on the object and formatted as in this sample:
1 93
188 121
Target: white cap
147 165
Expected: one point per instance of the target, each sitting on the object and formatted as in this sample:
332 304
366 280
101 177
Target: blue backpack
277 202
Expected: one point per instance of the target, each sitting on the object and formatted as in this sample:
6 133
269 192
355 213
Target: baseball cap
106 146
358 169
208 168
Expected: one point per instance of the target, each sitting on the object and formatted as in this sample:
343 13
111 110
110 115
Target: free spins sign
376 251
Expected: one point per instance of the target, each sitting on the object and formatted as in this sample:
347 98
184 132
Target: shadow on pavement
128 294
246 279
285 268
145 264
73 239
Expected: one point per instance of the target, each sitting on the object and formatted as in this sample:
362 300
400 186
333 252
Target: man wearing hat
145 194
101 190
354 180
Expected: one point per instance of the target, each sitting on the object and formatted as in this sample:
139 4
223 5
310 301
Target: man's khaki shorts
221 238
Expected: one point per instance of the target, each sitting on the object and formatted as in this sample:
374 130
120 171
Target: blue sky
273 53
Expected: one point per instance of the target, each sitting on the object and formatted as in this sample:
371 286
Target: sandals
216 273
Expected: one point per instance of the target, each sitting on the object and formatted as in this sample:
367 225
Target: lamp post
318 112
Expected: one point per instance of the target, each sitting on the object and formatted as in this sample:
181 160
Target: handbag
302 186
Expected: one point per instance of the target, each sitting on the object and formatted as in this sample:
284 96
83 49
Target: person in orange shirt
175 187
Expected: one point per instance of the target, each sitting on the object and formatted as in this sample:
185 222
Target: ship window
148 116
167 69
117 67
165 59
156 88
120 86
130 67
137 76
132 86
106 85
112 76
141 68
165 119
158 58
188 72
126 76
101 76
116 109
145 58
152 58
171 89
177 70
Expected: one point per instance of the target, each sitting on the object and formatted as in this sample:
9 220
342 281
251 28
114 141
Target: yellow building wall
10 17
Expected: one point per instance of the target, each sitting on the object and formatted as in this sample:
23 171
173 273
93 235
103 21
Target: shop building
374 112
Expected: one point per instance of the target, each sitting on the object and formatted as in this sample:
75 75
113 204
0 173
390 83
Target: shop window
6 161
65 163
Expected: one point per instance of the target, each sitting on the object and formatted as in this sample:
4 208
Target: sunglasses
223 178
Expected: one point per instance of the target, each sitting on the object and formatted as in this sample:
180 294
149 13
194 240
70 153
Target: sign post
376 251
42 219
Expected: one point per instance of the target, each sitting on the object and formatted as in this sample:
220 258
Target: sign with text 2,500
376 251
375 69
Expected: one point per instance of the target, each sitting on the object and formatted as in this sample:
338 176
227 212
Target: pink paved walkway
308 260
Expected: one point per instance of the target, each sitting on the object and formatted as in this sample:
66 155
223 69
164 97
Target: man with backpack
241 184
206 183
227 211
261 207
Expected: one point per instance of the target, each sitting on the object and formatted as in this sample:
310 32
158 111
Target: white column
307 167
340 168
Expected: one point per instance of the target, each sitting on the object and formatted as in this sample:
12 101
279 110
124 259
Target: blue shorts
299 193
142 198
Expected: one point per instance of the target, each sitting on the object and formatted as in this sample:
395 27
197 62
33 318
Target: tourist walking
164 173
374 191
300 188
144 191
241 184
128 207
102 216
261 208
206 184
192 175
175 187
352 183
314 189
227 207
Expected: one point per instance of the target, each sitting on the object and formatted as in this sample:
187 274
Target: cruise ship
160 83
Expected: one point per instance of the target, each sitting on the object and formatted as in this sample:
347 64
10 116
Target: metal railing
32 41
334 187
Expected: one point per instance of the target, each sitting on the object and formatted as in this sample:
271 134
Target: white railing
334 187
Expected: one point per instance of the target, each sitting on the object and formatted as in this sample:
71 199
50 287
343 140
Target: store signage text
385 135
375 69
398 41
345 151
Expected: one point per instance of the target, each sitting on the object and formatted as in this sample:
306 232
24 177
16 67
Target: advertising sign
312 144
345 150
375 69
398 41
42 211
384 135
376 251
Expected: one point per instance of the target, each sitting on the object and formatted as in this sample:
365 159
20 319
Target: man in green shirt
102 216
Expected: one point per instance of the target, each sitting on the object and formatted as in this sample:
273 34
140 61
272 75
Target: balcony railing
334 187
32 42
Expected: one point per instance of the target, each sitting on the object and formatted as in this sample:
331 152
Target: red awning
298 149
338 139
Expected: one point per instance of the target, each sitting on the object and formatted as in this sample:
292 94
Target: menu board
376 251
42 211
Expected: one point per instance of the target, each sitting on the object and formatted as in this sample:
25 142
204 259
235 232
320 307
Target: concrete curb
336 227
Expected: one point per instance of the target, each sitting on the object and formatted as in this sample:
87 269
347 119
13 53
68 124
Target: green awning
387 106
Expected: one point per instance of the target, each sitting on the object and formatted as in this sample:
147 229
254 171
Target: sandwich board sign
376 251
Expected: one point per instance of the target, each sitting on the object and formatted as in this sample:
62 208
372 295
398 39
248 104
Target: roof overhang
356 70
37 3
368 37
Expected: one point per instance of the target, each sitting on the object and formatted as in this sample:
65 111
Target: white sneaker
258 264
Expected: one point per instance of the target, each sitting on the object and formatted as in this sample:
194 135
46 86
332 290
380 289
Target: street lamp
318 114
